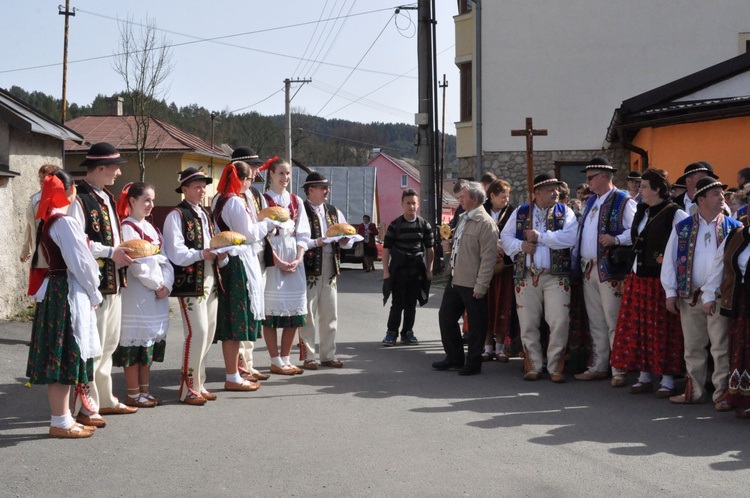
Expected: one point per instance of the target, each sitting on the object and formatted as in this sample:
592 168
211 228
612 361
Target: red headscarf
230 183
123 204
53 196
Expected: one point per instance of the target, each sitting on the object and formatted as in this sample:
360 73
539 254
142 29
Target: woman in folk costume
647 337
501 296
145 303
286 299
65 338
241 291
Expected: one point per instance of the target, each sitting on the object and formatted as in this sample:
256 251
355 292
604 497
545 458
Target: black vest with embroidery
314 257
99 225
188 280
649 246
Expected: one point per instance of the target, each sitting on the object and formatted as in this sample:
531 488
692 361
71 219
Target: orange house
704 116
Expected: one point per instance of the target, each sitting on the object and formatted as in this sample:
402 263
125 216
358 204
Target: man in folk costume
540 237
692 174
634 186
322 260
605 225
685 275
187 234
95 210
255 202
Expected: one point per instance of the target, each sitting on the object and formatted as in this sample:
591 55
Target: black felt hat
634 175
545 179
707 183
315 178
247 155
599 163
700 166
189 175
102 154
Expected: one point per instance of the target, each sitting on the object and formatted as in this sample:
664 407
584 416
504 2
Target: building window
464 6
467 91
404 181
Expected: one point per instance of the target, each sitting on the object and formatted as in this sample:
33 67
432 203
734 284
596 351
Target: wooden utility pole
425 117
67 13
529 132
443 85
288 120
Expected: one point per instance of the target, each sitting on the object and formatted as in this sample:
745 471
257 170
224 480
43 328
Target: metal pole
287 121
477 66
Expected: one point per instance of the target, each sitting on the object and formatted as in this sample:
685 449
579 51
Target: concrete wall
26 152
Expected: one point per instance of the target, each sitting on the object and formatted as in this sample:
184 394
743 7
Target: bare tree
144 62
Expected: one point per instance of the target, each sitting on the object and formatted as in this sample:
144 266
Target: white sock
488 349
134 396
667 381
285 360
235 377
62 422
276 361
644 377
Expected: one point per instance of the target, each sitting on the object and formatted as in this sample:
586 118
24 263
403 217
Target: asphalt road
384 425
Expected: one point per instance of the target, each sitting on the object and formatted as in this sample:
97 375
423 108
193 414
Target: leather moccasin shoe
641 388
118 409
531 376
557 378
618 381
501 358
260 376
297 370
194 400
664 393
591 375
91 422
310 365
138 403
332 363
680 399
245 385
722 406
285 370
75 432
208 396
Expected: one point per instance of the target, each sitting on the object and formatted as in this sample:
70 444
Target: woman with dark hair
64 336
368 231
648 338
286 285
145 303
241 304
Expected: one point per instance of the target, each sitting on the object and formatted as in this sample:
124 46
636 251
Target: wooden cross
529 132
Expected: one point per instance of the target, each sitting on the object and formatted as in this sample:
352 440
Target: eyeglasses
589 178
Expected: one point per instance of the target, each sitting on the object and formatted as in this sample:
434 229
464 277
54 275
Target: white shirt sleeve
174 242
511 245
716 276
68 234
238 219
628 213
303 225
562 239
349 242
669 266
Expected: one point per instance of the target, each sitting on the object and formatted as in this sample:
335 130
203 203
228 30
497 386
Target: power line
335 38
312 37
354 141
258 102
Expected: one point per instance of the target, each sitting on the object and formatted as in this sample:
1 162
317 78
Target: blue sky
262 44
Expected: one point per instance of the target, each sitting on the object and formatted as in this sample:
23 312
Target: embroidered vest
560 259
99 225
220 223
732 284
314 257
610 223
742 212
502 220
51 250
687 233
649 246
188 280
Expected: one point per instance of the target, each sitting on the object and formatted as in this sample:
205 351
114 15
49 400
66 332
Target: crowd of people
648 279
101 304
651 279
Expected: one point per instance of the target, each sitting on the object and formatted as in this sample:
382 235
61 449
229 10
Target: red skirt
501 300
648 338
739 356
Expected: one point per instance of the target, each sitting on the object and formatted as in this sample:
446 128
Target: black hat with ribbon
700 166
102 154
634 175
189 175
545 179
705 184
599 163
315 178
248 155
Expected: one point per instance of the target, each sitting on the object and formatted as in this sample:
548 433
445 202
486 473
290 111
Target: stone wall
511 166
26 153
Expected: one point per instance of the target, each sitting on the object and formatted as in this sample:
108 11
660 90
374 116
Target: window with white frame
404 181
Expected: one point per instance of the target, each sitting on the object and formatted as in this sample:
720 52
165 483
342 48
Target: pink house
393 176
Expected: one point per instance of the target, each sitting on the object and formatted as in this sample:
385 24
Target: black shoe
465 338
470 370
445 364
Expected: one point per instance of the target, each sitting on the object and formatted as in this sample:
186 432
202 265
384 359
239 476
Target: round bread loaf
140 248
226 239
276 213
340 229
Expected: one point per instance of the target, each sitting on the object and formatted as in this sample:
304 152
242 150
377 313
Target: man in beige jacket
473 255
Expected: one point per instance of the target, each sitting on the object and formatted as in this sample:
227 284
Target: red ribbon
53 196
268 163
123 205
230 183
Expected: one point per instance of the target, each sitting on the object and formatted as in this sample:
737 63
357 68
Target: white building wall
570 63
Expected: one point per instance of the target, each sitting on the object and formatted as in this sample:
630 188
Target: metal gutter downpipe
477 65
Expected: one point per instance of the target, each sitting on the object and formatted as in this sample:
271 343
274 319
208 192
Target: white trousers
199 325
549 297
602 307
322 315
108 319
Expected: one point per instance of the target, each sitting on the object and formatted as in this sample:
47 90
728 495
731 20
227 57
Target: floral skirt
281 322
127 356
648 338
54 355
235 320
739 356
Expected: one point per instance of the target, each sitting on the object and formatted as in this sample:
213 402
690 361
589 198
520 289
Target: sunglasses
589 178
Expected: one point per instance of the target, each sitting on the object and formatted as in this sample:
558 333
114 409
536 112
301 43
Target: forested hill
316 141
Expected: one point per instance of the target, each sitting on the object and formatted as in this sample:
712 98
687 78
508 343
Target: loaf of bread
226 239
340 229
140 248
276 213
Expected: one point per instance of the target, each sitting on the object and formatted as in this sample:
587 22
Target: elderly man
540 237
322 261
605 224
95 211
634 185
473 256
691 290
692 173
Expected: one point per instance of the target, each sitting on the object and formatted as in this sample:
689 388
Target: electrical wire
354 141
333 43
320 37
294 73
258 102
